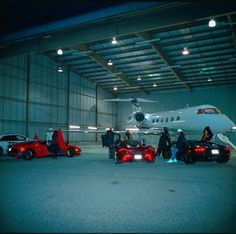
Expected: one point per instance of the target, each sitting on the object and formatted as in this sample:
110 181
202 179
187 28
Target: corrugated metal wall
222 97
34 96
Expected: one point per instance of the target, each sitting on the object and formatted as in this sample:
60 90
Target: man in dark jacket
164 145
109 141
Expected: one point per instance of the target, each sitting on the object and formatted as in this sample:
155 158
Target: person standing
164 145
49 136
36 137
55 144
206 134
110 143
128 135
181 147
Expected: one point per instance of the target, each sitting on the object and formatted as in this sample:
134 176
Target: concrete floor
90 193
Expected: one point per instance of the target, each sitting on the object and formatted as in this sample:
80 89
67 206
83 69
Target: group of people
177 149
168 149
111 138
52 141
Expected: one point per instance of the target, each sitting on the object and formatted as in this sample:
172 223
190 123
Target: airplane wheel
70 152
28 155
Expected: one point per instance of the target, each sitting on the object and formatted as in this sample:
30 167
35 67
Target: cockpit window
199 111
211 111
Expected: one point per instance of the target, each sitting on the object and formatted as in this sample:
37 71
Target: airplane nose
228 124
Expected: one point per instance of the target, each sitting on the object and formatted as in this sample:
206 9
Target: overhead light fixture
209 79
74 126
92 128
185 51
212 23
114 41
60 52
139 78
115 88
60 69
154 85
110 63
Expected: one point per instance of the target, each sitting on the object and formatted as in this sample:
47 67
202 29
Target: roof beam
164 57
233 30
97 58
140 22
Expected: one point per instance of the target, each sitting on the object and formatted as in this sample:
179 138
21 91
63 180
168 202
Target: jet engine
136 117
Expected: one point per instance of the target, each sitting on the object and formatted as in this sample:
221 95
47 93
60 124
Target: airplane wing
127 100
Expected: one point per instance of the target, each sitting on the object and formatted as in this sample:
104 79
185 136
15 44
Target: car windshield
132 143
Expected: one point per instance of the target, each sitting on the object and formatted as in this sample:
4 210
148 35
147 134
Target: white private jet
190 120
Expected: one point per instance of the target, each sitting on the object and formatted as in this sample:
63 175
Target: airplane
190 119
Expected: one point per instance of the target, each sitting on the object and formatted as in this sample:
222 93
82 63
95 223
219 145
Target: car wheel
28 154
1 151
223 159
70 152
188 159
117 161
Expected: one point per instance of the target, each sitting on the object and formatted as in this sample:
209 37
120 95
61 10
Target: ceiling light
139 78
209 79
154 85
185 51
60 69
92 128
115 88
60 52
74 126
114 41
212 23
110 63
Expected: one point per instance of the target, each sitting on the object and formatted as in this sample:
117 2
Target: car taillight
199 149
149 155
227 148
126 157
21 149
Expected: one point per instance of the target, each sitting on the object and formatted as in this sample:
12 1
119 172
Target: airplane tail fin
135 104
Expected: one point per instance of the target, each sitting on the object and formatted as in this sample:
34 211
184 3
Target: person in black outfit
164 145
55 144
181 145
128 135
207 134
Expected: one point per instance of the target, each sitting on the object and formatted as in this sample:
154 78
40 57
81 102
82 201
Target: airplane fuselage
193 119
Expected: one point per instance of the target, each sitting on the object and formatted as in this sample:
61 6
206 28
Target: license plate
137 156
215 151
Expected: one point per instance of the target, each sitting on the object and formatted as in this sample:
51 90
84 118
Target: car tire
117 161
70 152
28 154
188 159
222 159
1 151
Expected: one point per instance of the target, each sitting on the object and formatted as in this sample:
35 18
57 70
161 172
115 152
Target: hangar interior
42 89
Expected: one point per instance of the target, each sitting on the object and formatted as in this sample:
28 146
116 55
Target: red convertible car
38 149
134 150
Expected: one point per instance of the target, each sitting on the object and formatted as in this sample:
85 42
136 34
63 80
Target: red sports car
134 150
38 149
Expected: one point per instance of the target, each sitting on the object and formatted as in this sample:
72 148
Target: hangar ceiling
148 54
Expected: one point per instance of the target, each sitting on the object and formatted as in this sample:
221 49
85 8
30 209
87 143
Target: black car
205 151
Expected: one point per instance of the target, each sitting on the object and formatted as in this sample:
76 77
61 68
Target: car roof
8 134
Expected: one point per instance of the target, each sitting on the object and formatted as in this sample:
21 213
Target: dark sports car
38 149
134 150
205 151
